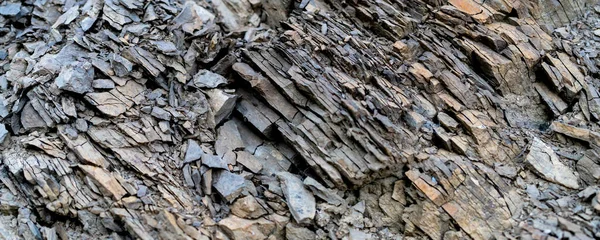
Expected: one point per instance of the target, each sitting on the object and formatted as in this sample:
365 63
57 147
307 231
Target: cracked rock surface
289 119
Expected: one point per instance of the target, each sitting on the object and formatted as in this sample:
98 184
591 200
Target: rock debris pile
289 119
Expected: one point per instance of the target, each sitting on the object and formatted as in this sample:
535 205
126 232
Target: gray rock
213 161
322 192
249 161
166 47
30 119
3 108
81 125
544 161
192 17
187 175
142 190
10 9
76 77
222 103
160 113
300 201
103 84
120 65
208 79
3 133
193 152
229 185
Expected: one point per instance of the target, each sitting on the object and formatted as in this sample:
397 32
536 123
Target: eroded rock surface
312 119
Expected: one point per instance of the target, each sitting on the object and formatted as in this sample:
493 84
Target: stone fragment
247 207
81 125
76 77
249 161
553 101
193 152
414 119
105 180
160 113
192 17
3 133
103 84
300 201
222 103
10 8
293 231
329 195
207 79
356 234
214 161
228 184
571 131
239 228
82 147
67 17
547 164
233 14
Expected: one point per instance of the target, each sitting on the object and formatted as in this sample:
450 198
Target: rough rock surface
308 119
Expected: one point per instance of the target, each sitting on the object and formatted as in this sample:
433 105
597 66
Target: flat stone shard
193 152
547 164
3 133
214 161
322 192
10 8
300 201
208 79
192 17
105 180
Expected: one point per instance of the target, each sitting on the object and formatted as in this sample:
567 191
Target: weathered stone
322 192
208 79
249 161
105 180
103 84
222 103
247 207
214 161
239 228
228 184
3 133
193 152
76 77
293 231
10 8
547 164
300 201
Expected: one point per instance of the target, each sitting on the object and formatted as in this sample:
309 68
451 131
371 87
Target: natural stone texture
228 184
239 228
547 164
247 207
76 77
105 180
300 201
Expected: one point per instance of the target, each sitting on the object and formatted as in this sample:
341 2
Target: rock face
307 119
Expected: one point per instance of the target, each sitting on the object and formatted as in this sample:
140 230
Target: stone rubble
308 119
